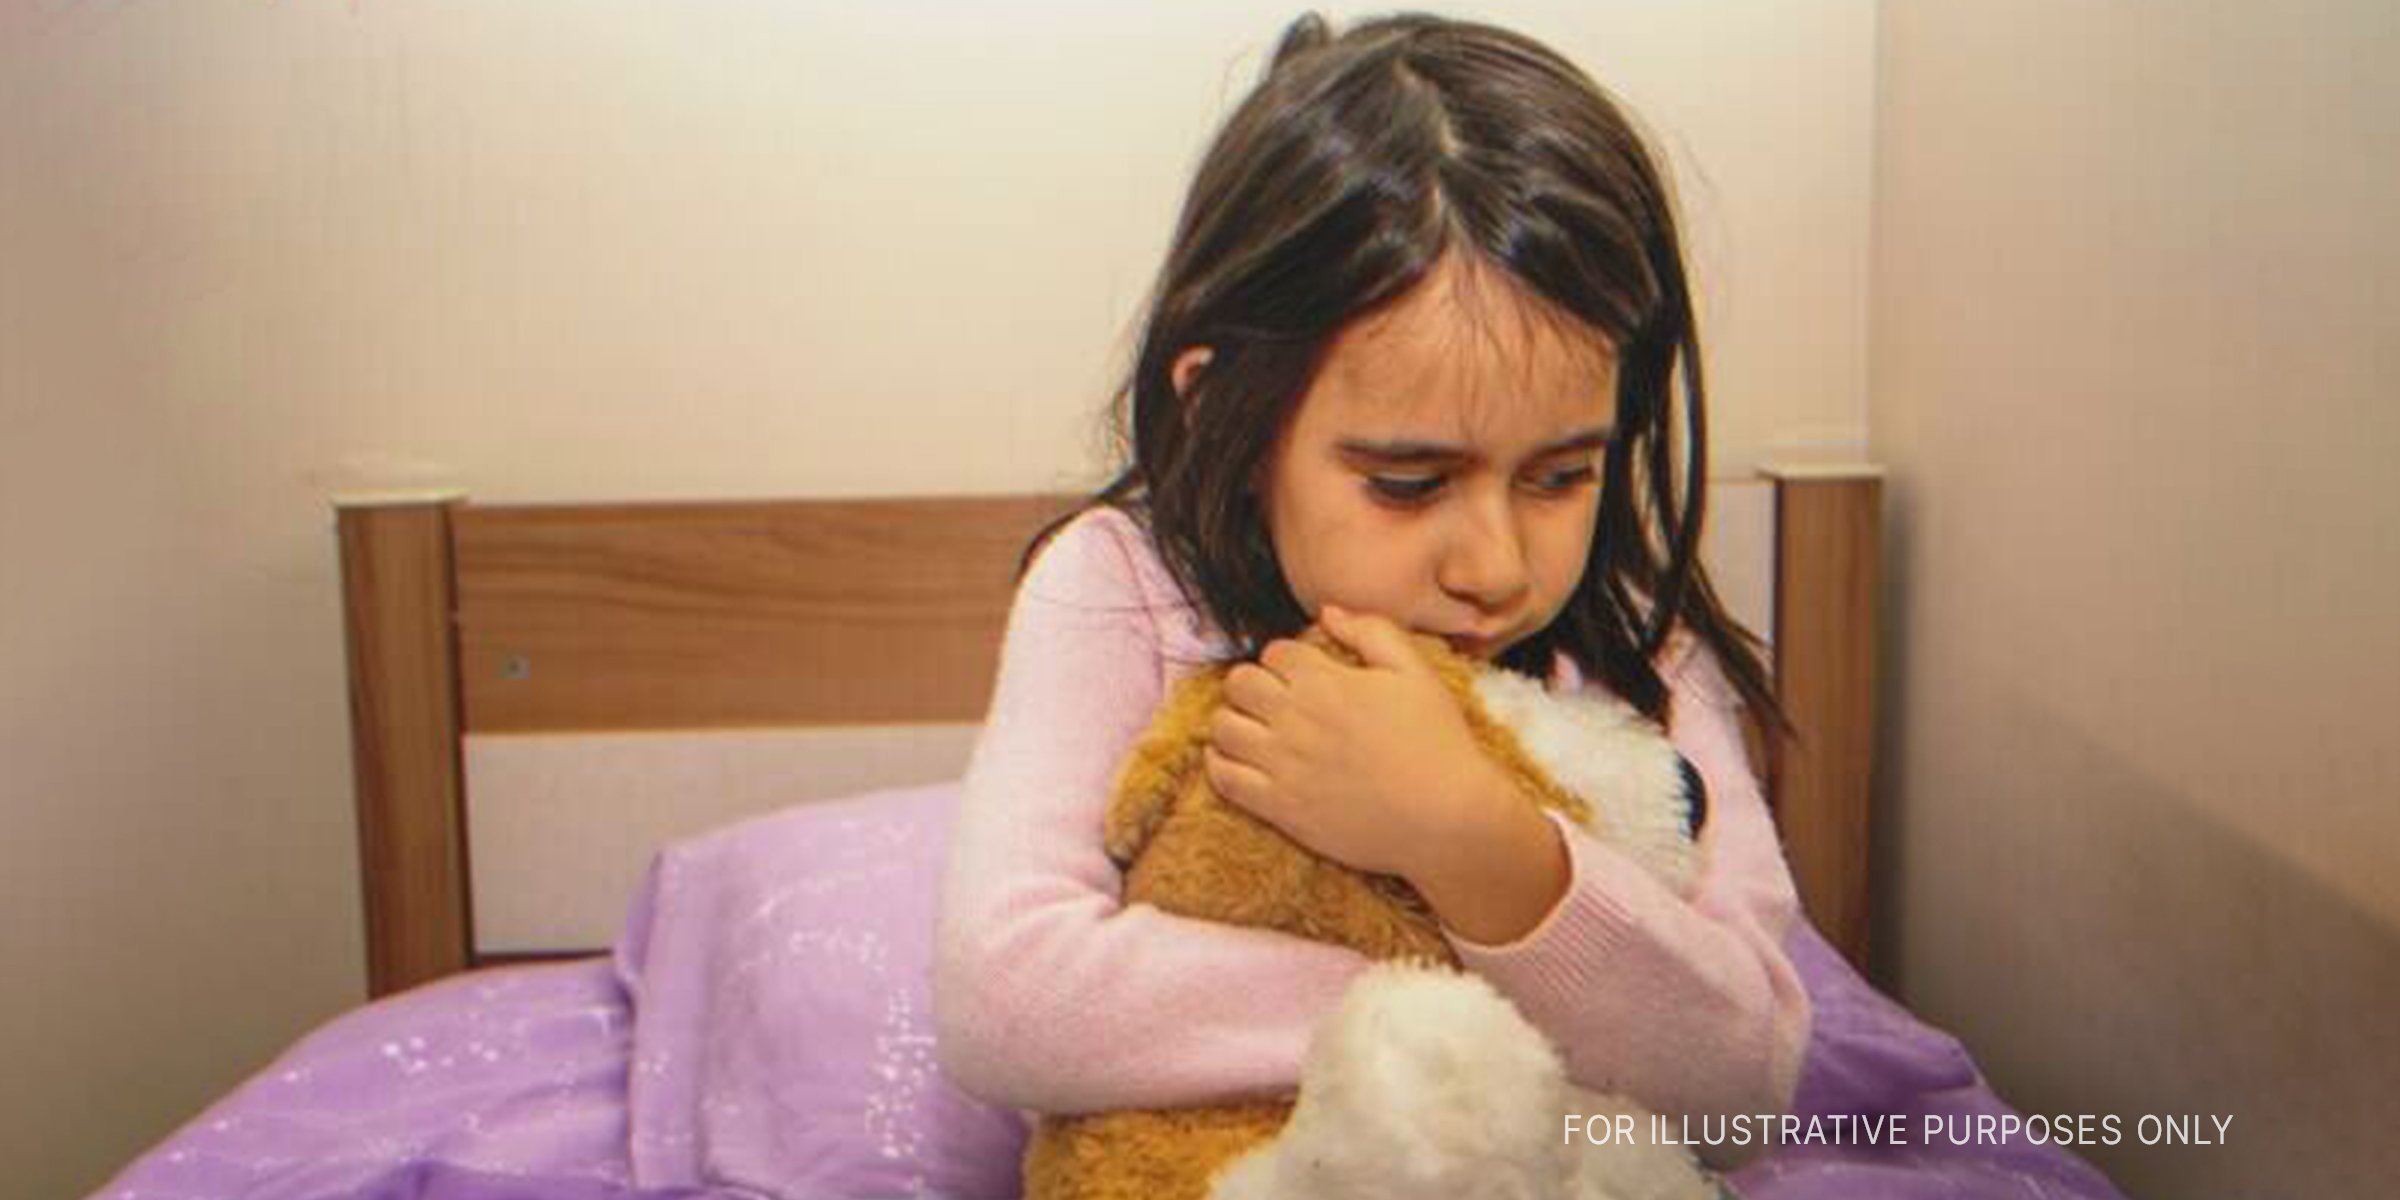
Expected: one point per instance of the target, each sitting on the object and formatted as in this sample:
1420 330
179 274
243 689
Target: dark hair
1346 174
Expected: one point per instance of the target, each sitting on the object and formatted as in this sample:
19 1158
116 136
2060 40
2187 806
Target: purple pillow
781 971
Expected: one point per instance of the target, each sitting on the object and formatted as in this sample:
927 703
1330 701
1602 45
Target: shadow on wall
1887 819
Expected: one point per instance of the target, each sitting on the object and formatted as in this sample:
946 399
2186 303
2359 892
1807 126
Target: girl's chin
1474 648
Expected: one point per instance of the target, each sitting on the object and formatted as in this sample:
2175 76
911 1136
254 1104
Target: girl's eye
1405 489
1565 479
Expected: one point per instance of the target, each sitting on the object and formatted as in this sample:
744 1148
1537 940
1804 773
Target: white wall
251 254
2134 351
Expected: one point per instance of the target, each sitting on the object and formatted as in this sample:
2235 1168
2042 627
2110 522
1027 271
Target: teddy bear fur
1426 1082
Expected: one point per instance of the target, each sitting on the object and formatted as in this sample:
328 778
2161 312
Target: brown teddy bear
1185 850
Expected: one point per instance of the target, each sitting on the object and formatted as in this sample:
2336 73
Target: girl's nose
1485 565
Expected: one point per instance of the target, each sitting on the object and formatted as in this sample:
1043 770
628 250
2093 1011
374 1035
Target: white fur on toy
1619 761
1427 1084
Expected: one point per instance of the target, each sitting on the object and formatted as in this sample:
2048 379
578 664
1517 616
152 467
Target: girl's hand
1372 765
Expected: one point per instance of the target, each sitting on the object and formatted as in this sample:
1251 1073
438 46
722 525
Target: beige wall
251 254
2134 347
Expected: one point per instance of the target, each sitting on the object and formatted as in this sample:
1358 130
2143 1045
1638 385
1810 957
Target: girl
1408 367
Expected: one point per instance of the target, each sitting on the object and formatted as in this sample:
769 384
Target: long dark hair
1347 173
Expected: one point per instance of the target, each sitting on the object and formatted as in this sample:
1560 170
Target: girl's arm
1690 1007
1049 993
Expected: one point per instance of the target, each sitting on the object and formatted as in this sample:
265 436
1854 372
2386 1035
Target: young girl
1410 366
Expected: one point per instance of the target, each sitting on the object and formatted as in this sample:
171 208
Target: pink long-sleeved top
1052 995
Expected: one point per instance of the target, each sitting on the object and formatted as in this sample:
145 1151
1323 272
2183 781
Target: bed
651 800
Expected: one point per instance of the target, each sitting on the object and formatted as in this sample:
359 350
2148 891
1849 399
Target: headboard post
404 735
1827 570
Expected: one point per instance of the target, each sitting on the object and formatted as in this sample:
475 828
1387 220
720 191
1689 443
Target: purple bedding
763 1031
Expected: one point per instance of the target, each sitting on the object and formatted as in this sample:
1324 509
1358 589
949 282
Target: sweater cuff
1563 953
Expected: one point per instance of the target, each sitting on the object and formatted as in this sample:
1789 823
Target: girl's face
1443 469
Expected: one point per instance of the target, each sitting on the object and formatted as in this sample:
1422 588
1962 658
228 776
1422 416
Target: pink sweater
1052 995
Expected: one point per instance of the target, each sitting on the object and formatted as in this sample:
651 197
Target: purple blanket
763 1030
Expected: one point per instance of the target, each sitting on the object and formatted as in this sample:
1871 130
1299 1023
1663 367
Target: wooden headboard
473 623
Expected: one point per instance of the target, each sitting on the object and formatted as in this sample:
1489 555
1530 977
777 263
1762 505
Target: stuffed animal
1425 1082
